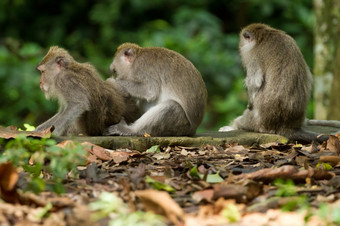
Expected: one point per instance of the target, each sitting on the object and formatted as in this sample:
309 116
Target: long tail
330 123
304 136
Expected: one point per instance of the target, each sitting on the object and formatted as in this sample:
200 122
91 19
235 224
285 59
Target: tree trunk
334 103
327 59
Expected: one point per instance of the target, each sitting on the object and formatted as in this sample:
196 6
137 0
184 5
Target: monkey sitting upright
170 90
88 105
279 84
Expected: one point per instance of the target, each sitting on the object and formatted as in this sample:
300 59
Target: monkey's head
253 35
56 60
124 58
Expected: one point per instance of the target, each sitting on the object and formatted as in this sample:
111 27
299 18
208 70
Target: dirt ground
268 184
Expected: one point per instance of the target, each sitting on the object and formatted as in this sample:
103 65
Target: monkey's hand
225 129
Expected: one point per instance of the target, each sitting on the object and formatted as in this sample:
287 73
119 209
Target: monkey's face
247 41
121 65
49 71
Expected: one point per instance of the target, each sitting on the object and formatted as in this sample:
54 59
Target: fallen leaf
12 132
286 172
154 148
332 160
146 135
98 152
206 195
184 152
159 185
240 192
161 203
333 144
8 180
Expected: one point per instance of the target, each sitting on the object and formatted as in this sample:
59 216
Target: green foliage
231 212
286 188
46 158
158 185
206 32
329 214
154 149
21 98
211 178
110 205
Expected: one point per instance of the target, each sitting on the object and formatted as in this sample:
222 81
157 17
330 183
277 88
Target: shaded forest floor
268 184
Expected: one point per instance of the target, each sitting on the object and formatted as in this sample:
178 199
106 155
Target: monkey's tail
304 136
330 123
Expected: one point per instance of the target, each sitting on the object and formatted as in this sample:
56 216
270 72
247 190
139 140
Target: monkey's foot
226 129
117 129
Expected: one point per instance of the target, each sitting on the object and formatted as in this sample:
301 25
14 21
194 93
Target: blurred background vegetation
204 31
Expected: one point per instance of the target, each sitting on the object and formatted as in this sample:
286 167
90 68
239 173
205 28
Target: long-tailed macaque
88 105
279 84
170 90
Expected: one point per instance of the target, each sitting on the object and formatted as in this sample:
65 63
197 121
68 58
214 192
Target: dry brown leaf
12 132
8 180
332 160
333 144
97 152
206 195
160 202
287 172
242 193
269 174
107 154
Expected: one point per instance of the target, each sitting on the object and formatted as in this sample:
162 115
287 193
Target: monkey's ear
129 55
248 35
62 62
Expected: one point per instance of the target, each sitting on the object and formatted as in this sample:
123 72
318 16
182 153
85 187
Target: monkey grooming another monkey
88 105
279 84
169 88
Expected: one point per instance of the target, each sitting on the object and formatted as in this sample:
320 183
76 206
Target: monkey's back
106 105
283 99
181 79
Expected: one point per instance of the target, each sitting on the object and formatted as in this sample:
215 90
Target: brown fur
88 105
169 87
279 83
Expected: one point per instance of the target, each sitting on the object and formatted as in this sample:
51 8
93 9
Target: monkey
279 84
88 104
170 90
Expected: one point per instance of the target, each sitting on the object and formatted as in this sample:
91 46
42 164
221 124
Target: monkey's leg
164 119
62 120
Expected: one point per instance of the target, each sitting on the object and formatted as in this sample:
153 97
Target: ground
212 179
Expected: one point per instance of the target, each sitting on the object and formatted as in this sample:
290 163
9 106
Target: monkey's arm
254 82
63 119
148 91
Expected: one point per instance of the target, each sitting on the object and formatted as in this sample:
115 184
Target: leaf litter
205 185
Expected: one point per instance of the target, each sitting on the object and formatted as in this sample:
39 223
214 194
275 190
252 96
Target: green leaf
231 213
194 173
211 178
29 127
154 148
44 211
159 185
324 166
